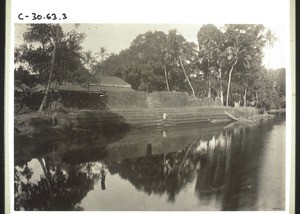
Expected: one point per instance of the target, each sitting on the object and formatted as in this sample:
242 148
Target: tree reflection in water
216 164
61 187
103 176
68 177
213 166
169 173
69 170
65 181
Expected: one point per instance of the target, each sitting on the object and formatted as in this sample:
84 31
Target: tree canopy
39 42
53 56
226 62
151 63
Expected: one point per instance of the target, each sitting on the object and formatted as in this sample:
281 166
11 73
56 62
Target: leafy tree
278 80
144 64
53 56
267 97
51 69
210 40
102 53
271 38
88 60
243 44
281 87
151 49
184 52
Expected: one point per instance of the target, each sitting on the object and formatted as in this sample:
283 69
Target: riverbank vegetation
225 65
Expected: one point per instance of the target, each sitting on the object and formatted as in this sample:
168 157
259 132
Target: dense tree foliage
227 63
269 88
61 187
210 40
40 40
152 62
232 56
52 56
89 60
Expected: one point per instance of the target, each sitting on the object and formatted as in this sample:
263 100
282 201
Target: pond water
192 167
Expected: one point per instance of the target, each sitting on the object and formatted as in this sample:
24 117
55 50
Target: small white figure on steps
164 134
165 116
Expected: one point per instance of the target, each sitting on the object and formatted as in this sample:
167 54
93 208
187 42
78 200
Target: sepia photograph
149 117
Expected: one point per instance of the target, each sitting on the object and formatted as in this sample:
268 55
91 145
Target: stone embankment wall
142 100
25 103
97 125
148 117
142 109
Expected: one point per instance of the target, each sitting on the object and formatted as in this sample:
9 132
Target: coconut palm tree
53 42
102 53
183 51
88 60
271 38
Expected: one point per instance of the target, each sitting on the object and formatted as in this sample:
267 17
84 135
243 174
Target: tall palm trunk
186 76
47 176
229 81
45 98
221 90
274 85
182 163
245 96
269 45
209 88
221 95
256 99
166 77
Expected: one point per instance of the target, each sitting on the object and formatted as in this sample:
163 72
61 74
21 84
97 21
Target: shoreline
37 123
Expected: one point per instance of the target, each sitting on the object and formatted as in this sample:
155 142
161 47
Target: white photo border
154 11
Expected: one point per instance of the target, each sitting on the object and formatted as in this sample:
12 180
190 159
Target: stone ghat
149 117
162 116
34 125
169 116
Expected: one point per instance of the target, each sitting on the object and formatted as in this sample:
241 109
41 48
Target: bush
282 102
27 102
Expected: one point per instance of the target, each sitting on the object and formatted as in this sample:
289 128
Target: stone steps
148 117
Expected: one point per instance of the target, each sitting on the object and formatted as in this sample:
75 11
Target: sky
117 37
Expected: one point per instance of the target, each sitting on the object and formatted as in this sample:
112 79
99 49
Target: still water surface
191 167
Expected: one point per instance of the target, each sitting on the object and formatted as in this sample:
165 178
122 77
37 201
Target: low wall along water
113 100
135 109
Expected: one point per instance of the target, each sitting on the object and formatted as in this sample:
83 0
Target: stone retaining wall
113 100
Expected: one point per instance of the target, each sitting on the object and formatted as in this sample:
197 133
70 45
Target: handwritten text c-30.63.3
36 16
